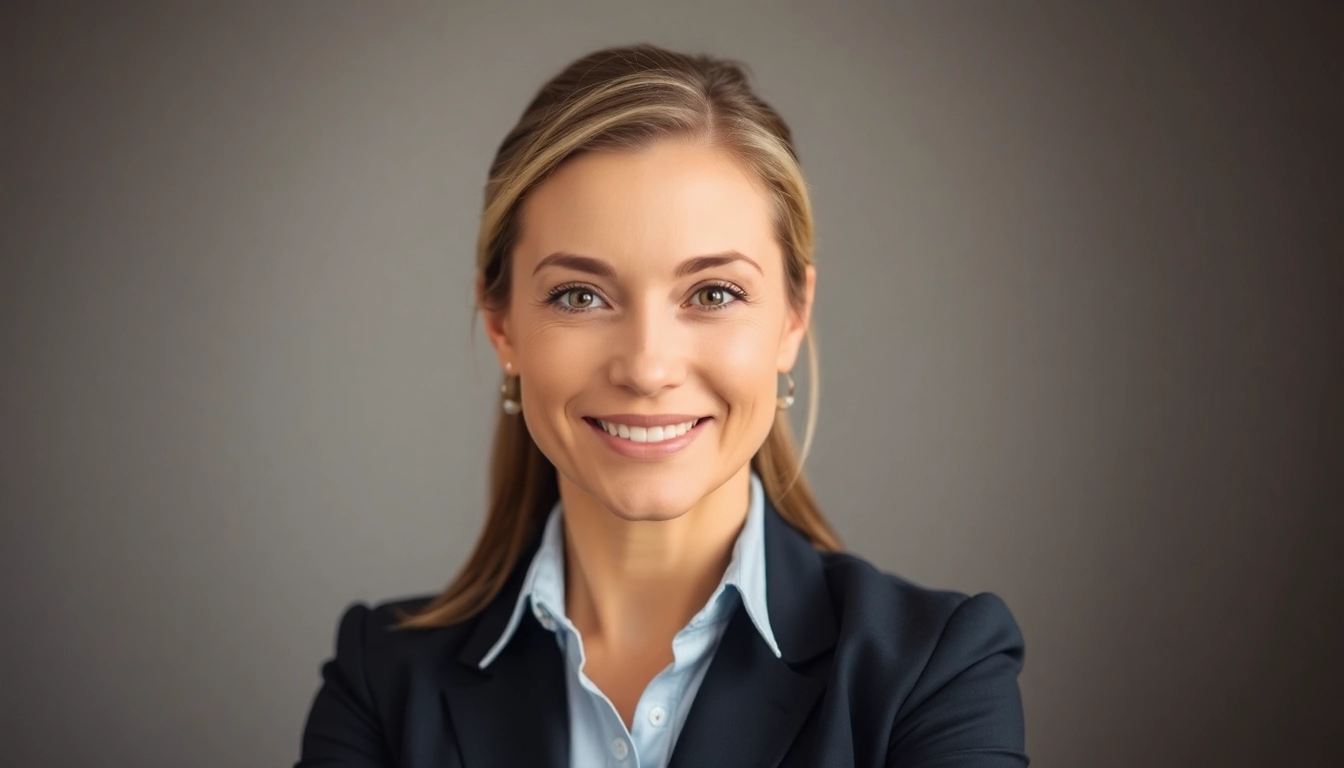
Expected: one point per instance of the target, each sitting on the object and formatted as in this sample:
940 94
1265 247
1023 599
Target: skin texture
647 539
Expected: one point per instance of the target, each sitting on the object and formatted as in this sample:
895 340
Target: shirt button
619 749
657 716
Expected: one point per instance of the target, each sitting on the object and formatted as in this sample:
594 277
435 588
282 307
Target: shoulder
863 592
939 668
388 656
377 678
925 633
376 625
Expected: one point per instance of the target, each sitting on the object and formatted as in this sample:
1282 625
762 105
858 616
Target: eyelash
553 298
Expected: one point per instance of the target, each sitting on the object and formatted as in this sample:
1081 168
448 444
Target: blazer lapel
748 708
751 704
515 711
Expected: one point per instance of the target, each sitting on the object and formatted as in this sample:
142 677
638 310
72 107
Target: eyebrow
577 263
701 263
602 269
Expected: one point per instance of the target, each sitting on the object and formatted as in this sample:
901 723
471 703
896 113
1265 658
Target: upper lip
645 420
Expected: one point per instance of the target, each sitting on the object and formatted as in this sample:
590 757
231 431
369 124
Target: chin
647 514
645 499
649 504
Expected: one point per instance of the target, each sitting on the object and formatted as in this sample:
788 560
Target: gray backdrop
1076 308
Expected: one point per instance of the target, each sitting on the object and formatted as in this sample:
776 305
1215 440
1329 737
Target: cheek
741 363
558 364
555 369
553 378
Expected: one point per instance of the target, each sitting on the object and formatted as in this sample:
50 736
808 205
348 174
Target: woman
655 584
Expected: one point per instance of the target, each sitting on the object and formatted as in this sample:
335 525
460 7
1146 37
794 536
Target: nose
648 355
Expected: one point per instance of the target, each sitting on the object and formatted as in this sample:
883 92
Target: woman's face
649 299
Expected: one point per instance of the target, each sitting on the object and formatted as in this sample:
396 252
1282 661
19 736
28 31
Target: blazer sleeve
965 711
343 729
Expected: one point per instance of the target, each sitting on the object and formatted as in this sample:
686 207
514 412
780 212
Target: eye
715 296
577 298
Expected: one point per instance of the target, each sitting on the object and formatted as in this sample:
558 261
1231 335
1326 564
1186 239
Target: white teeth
646 434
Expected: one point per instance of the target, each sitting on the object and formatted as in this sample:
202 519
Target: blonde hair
611 100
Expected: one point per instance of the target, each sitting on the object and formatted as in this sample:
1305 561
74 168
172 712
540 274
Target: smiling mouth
645 434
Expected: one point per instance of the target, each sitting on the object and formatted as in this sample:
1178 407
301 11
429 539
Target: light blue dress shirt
597 735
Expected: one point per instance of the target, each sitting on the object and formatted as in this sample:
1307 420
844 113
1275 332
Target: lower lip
659 450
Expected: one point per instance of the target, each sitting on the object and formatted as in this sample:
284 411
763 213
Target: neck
634 584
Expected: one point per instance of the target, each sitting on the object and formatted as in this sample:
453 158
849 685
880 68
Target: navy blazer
876 671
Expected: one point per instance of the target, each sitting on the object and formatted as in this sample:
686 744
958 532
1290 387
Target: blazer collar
494 619
516 712
797 594
750 703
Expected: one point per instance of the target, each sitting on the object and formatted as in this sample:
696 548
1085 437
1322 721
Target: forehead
667 202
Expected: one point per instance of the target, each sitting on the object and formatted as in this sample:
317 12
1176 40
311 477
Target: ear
497 327
795 328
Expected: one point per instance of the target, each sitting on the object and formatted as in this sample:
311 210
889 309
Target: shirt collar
544 585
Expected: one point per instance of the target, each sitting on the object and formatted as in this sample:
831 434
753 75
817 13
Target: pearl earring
510 391
787 400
